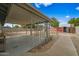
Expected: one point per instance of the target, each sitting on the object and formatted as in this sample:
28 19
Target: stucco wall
77 30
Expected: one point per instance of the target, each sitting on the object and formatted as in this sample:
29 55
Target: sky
62 11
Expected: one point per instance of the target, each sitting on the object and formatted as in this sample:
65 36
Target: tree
77 22
74 21
54 22
71 21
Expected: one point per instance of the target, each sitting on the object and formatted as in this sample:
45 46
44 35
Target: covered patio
35 32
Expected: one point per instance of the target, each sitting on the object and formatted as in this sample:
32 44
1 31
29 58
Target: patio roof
24 14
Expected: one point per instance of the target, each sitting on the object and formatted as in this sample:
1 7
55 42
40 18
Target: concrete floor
21 43
65 45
